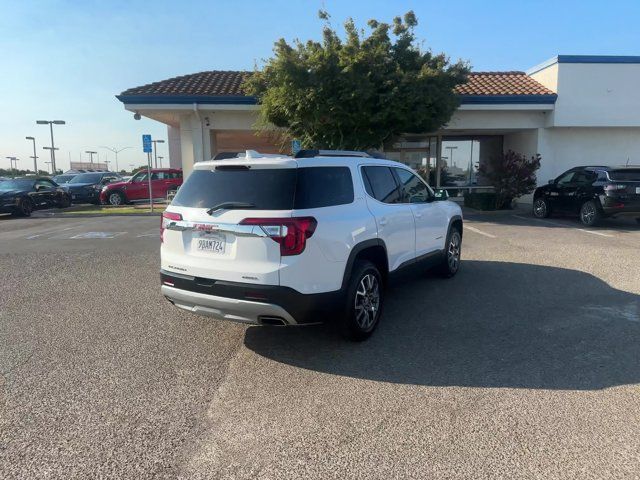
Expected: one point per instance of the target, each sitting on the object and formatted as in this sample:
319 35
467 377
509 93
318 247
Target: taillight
166 218
613 187
290 233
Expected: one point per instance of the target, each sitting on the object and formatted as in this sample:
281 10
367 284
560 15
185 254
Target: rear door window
323 187
265 189
381 184
625 175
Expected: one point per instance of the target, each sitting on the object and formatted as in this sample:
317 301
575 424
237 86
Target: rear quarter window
323 187
628 175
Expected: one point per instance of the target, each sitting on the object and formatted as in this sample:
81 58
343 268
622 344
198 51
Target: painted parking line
596 233
97 235
155 234
540 220
51 232
479 232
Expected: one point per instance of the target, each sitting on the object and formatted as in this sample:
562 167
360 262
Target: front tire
541 208
590 215
116 199
365 298
452 254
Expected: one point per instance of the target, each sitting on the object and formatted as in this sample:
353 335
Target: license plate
211 243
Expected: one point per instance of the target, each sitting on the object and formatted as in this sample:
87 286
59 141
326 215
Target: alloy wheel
453 252
540 208
588 213
114 199
367 303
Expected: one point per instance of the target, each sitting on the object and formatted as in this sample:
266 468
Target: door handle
383 221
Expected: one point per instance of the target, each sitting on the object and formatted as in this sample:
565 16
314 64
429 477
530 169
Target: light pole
48 163
116 151
35 157
13 160
91 154
53 147
155 153
451 149
160 158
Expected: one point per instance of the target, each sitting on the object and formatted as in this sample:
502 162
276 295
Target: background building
572 110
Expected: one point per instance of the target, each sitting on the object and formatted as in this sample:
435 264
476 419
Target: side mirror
39 187
441 194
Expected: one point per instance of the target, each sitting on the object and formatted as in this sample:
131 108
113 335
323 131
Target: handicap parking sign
146 143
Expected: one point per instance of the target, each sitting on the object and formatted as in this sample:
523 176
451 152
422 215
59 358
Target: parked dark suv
21 196
86 187
592 193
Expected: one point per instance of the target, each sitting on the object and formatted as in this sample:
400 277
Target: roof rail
330 153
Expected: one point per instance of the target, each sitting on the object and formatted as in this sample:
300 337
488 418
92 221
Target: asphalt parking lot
525 365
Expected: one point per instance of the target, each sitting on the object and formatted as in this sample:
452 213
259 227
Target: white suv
277 240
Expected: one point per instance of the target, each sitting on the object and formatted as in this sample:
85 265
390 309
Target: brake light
291 233
166 218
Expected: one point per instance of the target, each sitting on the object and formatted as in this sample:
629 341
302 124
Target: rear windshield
268 189
628 174
86 178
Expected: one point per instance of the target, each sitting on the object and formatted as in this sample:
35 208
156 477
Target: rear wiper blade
229 206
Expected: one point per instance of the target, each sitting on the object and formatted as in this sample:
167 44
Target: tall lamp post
91 154
53 147
155 150
35 157
451 149
13 160
160 158
116 151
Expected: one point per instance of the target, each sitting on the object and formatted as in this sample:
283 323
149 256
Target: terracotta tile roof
502 83
214 82
219 84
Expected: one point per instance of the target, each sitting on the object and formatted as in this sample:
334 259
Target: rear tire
116 199
541 208
590 214
65 202
452 254
25 209
365 299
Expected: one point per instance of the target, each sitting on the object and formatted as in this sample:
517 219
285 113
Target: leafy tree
511 174
360 92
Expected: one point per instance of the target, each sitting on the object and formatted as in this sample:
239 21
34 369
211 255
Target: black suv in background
86 187
21 196
592 193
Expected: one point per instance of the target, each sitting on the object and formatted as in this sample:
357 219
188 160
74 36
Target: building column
192 142
175 150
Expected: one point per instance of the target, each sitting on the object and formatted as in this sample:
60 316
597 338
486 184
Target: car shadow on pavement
496 324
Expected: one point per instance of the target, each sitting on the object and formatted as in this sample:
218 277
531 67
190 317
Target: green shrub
480 200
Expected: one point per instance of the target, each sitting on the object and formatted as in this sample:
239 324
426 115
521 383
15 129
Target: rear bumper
620 206
83 197
249 303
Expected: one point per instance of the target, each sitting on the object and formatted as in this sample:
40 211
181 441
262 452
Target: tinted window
86 178
267 189
566 177
584 177
323 186
628 174
43 182
413 189
18 184
381 184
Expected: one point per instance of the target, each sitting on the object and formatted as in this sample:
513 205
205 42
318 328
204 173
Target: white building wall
564 148
593 94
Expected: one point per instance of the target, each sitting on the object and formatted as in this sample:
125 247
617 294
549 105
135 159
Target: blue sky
67 59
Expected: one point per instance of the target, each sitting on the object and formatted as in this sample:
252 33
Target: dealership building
572 110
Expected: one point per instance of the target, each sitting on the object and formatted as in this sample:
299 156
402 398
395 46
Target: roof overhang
508 99
606 59
187 99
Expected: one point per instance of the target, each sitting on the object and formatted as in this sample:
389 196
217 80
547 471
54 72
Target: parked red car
163 180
